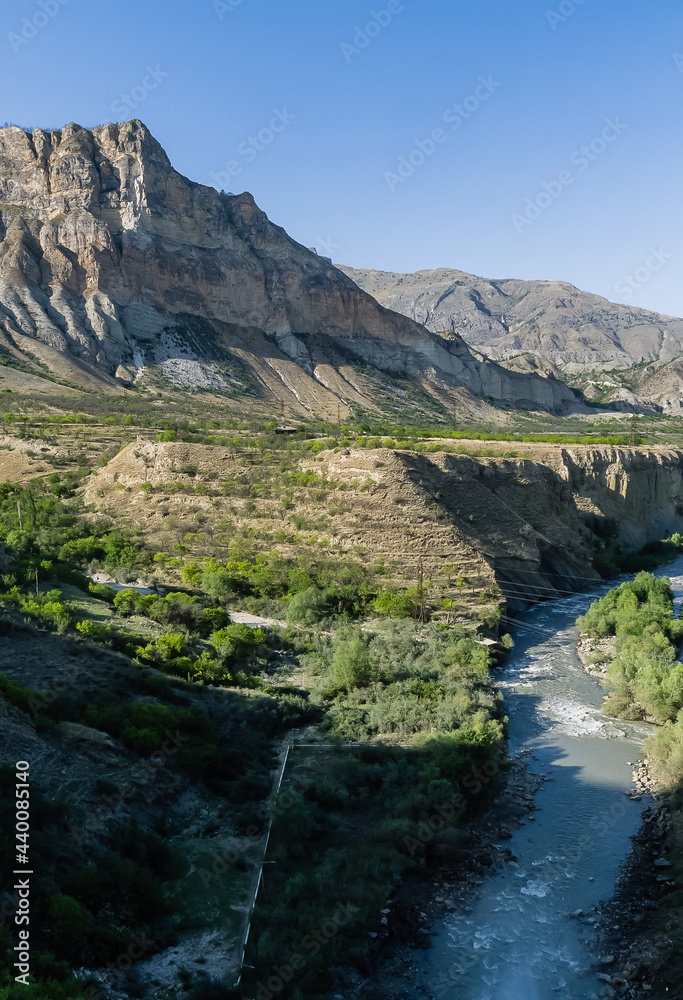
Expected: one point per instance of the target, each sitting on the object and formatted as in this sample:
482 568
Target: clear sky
405 135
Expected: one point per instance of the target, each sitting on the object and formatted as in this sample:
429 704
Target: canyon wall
526 521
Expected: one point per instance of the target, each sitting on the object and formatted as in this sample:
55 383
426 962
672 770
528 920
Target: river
521 942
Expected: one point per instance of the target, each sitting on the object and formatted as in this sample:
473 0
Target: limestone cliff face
111 262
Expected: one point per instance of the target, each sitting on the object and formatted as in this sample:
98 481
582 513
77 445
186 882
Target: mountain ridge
506 315
117 270
576 335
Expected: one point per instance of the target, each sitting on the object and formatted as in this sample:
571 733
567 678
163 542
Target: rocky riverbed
633 945
596 654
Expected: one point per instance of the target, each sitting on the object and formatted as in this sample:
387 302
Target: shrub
467 656
350 666
98 633
143 726
237 640
645 675
69 922
82 550
211 620
218 584
102 591
49 607
16 694
665 753
395 605
127 602
164 649
308 607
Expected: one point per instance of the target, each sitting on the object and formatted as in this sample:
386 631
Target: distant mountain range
117 271
549 326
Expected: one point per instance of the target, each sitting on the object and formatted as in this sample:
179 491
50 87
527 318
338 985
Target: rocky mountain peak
113 262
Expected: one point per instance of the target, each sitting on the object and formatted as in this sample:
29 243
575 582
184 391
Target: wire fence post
259 881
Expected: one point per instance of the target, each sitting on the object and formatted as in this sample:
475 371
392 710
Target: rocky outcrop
641 489
524 522
654 388
552 320
530 519
596 655
114 266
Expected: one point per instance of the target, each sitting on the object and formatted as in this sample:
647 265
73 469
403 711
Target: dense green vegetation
394 682
365 815
416 700
645 676
646 681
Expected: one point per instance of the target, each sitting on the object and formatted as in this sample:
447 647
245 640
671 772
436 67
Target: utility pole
19 512
420 590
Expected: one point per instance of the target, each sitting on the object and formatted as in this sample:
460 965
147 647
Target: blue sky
368 157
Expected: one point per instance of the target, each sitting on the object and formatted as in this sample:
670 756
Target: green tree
351 665
237 640
395 605
218 584
308 607
69 923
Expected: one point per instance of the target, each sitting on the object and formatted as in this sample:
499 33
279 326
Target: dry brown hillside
520 521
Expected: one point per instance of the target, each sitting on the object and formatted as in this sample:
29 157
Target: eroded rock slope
114 268
551 320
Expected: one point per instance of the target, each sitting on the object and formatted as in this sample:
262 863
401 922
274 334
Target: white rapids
521 941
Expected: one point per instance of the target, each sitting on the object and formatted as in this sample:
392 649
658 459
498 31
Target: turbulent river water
520 942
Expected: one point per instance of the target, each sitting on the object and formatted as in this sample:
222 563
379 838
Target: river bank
637 952
534 927
639 928
428 895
